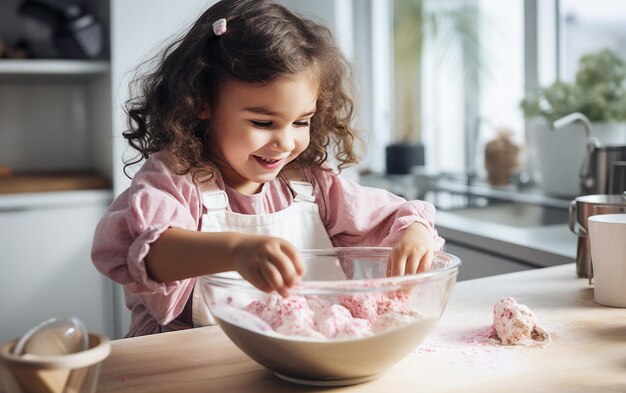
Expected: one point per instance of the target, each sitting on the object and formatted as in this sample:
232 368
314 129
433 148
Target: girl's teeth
267 159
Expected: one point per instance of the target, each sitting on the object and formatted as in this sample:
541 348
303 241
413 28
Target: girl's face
257 129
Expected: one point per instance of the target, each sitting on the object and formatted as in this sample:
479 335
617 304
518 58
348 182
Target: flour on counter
490 348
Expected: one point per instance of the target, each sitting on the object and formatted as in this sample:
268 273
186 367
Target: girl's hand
269 263
414 251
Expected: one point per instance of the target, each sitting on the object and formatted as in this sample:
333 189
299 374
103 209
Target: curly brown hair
264 41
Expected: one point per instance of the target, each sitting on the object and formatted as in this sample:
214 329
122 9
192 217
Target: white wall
139 28
361 29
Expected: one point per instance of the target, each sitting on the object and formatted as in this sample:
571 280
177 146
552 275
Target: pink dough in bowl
346 322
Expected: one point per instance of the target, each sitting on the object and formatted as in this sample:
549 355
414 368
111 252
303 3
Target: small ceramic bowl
73 372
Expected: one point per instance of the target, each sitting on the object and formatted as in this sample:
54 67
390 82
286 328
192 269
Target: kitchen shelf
20 183
53 67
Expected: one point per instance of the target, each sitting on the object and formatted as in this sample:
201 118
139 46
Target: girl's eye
261 124
302 123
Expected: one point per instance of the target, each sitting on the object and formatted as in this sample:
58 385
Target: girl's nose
284 139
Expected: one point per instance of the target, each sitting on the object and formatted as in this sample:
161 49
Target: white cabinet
45 268
55 118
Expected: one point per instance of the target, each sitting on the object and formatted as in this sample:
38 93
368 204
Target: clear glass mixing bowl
346 322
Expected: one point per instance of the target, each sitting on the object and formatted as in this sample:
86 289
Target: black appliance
76 34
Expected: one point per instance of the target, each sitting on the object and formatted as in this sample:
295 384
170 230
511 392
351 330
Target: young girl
236 125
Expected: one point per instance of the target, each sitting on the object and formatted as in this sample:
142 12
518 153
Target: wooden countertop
52 181
588 352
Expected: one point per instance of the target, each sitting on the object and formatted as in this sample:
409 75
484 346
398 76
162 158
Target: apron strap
215 200
303 191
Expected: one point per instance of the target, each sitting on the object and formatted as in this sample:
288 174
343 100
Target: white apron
299 223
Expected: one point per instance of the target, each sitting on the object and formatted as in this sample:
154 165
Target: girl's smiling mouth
269 163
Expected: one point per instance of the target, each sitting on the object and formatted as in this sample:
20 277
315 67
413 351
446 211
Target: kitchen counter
587 354
539 246
533 245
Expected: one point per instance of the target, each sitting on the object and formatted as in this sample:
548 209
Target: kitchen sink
516 214
521 208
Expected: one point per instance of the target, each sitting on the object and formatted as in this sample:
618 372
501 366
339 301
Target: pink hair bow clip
219 27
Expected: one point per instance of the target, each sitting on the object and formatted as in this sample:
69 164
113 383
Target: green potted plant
598 92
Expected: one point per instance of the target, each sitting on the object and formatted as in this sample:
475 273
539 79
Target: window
523 44
471 79
588 27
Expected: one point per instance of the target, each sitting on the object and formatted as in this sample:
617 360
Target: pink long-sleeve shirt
158 199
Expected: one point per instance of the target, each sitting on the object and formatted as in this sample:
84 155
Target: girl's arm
180 253
156 201
356 215
269 263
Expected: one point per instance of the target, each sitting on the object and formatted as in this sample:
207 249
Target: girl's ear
205 114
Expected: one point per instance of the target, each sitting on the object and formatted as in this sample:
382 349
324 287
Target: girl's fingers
273 278
280 268
427 261
285 269
412 264
294 260
259 281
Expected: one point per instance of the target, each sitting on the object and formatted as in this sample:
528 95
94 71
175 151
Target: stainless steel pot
618 176
604 173
580 209
603 170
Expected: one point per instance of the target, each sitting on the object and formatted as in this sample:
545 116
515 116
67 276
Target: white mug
607 238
